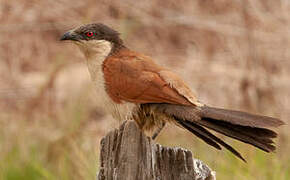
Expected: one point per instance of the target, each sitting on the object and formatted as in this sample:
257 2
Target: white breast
96 52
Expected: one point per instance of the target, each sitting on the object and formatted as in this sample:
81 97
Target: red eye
89 34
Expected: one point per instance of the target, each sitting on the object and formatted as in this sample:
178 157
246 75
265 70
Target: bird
132 86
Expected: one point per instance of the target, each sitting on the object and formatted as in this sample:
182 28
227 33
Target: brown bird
131 85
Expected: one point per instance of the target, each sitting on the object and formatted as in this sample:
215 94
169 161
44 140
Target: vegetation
233 53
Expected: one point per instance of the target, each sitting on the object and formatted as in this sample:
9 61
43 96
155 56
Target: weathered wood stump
128 154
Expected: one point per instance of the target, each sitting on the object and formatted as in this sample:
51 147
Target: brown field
234 54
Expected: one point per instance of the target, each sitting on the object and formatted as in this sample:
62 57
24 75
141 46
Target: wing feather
136 78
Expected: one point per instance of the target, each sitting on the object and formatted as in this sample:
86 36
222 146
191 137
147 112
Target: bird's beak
69 36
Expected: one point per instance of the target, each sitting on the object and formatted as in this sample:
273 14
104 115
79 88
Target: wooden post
128 154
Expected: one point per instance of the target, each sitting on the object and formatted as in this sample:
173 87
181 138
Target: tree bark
128 154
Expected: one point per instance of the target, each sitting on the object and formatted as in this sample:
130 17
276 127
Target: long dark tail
245 127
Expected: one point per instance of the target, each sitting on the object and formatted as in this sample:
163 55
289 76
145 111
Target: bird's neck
96 52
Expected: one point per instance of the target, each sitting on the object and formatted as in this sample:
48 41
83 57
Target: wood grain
127 154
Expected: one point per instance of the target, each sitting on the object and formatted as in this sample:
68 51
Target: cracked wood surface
128 154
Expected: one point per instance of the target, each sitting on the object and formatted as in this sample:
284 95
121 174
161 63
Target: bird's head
93 38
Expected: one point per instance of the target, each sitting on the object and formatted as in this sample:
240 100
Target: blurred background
234 54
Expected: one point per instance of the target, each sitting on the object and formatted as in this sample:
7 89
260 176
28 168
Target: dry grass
234 53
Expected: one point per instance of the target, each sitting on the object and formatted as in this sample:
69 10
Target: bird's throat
95 49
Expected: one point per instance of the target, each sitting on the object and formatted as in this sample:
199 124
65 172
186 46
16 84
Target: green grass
15 166
48 148
73 162
66 147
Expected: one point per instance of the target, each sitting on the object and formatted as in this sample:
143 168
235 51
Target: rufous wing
136 78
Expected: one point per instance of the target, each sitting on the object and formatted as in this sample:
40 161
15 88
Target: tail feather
196 130
190 126
252 131
240 118
245 127
230 131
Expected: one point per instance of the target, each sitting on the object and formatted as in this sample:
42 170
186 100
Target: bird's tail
242 126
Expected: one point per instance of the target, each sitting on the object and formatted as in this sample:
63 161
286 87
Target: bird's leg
158 130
